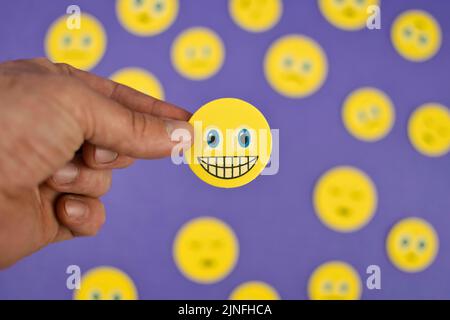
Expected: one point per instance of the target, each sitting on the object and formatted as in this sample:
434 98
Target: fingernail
75 208
66 174
172 125
104 156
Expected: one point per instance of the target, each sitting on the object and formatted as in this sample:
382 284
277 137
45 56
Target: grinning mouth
227 167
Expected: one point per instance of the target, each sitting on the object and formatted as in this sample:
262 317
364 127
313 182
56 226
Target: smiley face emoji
368 114
345 199
256 15
146 17
335 280
106 283
429 129
416 35
412 245
232 143
295 66
347 14
140 80
198 53
82 48
254 290
205 250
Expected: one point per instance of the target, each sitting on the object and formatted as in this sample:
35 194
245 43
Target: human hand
63 130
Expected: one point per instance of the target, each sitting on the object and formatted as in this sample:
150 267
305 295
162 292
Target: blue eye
159 6
87 41
67 40
138 3
244 138
212 138
407 32
287 62
95 296
423 39
306 66
422 245
375 111
404 242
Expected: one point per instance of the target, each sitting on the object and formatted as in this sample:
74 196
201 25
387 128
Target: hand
62 131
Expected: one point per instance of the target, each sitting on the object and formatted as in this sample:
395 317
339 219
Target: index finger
127 96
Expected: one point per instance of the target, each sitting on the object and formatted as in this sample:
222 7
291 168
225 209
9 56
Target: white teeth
228 167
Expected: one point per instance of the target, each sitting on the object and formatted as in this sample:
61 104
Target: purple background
281 239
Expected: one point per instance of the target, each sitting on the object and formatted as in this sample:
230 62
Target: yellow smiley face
295 66
416 35
345 199
254 290
429 129
140 80
256 15
335 280
232 143
82 48
412 245
198 53
146 17
347 14
368 114
205 250
106 283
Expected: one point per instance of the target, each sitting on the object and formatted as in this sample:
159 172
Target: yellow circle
146 17
206 250
347 14
429 129
345 199
412 245
254 290
232 143
334 280
295 66
198 53
140 80
368 114
82 48
416 35
256 15
106 283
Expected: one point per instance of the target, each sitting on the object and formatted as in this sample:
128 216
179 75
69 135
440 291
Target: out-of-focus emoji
140 80
412 244
345 199
106 283
254 290
368 114
347 14
256 15
232 143
82 48
198 53
334 280
429 129
295 66
416 35
146 17
206 250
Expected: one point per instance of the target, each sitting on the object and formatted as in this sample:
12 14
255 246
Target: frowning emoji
232 143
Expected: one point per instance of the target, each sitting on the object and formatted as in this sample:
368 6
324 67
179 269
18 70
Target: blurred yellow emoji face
346 14
368 114
206 250
412 245
334 280
140 80
198 53
82 48
254 290
429 129
416 35
345 199
295 66
256 15
106 283
232 143
146 17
